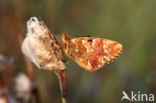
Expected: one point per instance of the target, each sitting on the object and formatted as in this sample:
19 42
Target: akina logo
137 96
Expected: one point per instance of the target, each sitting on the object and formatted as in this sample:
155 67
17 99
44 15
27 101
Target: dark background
130 22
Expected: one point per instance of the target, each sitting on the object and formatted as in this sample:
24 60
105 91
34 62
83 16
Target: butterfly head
65 40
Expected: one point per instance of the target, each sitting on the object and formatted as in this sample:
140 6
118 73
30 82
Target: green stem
64 100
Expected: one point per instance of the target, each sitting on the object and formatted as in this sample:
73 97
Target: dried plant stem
61 74
2 89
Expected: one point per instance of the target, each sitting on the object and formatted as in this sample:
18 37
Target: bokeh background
130 22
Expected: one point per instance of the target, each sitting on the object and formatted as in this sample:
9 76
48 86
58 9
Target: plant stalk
61 74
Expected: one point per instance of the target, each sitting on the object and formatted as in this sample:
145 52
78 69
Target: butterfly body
89 52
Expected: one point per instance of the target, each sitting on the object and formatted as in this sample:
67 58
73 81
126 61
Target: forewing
93 53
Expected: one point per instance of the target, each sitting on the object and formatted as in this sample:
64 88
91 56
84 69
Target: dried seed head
42 47
23 87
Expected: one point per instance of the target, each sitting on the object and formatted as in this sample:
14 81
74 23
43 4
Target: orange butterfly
91 53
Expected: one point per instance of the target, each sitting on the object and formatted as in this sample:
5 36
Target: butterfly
41 46
91 53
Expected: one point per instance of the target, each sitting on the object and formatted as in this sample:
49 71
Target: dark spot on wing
90 40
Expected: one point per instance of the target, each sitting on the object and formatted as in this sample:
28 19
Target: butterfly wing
92 53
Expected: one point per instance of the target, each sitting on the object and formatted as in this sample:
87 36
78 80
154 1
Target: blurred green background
130 22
